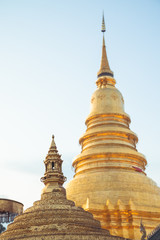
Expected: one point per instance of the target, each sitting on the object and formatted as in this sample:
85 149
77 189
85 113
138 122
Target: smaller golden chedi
55 217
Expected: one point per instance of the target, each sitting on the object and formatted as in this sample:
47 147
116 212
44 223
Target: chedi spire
104 67
53 176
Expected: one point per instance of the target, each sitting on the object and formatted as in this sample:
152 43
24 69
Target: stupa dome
55 217
107 100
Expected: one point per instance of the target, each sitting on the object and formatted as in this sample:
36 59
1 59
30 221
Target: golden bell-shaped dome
110 179
107 100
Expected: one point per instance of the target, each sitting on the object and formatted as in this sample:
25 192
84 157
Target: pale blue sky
49 56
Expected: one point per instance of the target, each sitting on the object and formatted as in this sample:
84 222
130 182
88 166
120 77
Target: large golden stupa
110 179
54 217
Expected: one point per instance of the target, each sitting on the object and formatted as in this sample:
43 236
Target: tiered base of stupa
55 217
120 200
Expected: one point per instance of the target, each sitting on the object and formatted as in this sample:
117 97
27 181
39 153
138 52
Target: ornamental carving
101 96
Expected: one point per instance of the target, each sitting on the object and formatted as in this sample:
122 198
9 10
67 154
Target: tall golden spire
104 68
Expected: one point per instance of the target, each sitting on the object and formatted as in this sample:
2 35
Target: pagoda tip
104 68
52 142
103 29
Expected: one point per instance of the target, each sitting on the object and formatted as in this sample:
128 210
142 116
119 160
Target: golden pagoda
110 179
54 217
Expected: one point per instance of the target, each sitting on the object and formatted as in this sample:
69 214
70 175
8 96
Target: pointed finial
53 176
103 29
52 143
104 68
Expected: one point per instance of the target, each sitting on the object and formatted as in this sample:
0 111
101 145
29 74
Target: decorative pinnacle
53 145
53 176
104 68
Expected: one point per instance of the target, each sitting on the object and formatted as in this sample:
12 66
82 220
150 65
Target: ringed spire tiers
103 28
110 179
104 67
